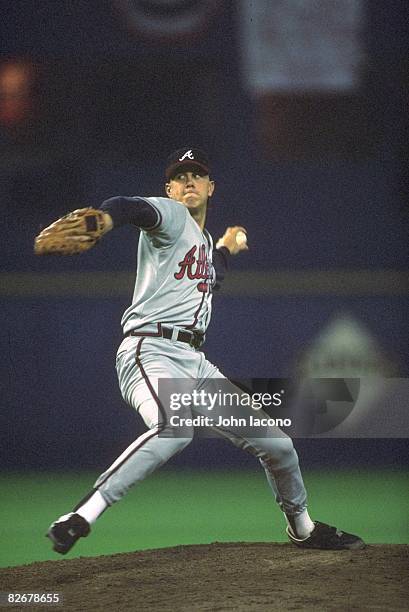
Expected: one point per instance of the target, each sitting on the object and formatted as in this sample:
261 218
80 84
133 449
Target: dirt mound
238 576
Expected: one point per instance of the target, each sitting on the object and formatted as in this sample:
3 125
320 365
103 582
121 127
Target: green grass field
185 507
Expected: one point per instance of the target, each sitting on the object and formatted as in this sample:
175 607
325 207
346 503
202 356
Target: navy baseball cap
186 159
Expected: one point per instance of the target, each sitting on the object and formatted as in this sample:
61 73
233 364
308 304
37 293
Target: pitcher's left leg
277 455
279 459
270 445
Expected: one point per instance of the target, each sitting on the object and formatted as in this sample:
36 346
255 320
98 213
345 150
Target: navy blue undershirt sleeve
135 211
221 264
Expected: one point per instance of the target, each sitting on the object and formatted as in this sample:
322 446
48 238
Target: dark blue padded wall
61 406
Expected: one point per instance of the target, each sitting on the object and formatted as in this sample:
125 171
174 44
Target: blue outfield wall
61 405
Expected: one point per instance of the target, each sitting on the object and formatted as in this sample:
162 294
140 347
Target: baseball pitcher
164 328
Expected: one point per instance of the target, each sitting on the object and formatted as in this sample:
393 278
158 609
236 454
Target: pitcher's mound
238 576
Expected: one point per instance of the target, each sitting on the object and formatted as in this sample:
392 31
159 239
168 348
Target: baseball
241 238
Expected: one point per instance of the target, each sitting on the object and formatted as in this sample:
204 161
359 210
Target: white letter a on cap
188 154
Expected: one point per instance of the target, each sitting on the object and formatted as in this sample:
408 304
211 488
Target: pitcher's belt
192 338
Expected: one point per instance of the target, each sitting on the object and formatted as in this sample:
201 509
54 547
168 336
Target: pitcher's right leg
148 452
151 450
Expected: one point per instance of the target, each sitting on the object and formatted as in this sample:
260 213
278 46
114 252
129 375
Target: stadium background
92 100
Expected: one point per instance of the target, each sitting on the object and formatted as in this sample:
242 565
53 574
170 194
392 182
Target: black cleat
325 537
66 531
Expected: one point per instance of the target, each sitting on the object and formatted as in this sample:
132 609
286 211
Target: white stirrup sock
93 508
301 525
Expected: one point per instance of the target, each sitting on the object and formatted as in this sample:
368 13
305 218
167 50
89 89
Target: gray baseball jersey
175 272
